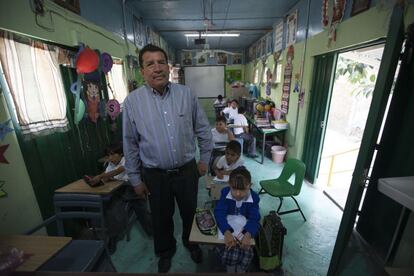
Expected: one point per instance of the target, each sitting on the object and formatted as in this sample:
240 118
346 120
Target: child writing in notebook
229 161
115 169
238 219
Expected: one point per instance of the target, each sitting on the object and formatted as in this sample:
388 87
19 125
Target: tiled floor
308 245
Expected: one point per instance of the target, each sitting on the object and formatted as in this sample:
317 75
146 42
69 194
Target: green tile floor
308 245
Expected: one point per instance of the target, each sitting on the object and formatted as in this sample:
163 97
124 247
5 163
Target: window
31 71
116 81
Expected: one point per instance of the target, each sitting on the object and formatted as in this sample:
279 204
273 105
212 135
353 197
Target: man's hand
202 168
141 190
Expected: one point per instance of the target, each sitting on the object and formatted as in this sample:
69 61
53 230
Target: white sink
400 189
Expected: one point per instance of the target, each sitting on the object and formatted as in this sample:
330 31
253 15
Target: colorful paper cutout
2 151
4 129
3 193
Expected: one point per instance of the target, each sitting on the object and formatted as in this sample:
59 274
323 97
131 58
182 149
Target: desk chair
281 187
78 255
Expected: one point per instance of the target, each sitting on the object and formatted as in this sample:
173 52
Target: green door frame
389 62
321 92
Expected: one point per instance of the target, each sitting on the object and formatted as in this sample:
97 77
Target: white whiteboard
205 81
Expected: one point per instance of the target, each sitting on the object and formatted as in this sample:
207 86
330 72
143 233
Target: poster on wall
155 38
287 80
291 22
202 59
186 58
269 41
221 58
237 59
278 37
263 45
138 32
148 34
233 75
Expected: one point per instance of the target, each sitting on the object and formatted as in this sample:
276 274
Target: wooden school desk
214 187
42 248
81 187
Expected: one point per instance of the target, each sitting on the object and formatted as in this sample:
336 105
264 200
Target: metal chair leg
300 210
280 204
262 191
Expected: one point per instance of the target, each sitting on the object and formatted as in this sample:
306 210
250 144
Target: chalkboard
205 81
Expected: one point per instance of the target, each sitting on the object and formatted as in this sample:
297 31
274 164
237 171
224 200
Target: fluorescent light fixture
213 35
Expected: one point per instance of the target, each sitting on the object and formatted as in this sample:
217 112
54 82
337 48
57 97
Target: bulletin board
205 81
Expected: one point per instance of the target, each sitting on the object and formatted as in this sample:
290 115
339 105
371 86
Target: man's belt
171 172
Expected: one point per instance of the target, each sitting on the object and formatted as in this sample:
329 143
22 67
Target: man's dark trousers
165 186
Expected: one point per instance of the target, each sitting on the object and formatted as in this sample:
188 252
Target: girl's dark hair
221 119
234 146
220 97
240 178
114 148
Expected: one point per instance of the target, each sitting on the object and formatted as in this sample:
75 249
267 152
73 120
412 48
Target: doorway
354 81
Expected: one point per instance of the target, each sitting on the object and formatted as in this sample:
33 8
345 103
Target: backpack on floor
269 242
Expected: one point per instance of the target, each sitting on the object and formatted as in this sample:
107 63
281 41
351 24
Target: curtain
32 74
116 82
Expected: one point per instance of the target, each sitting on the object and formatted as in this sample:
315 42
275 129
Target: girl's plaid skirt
235 256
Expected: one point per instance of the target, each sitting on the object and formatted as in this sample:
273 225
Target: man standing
160 123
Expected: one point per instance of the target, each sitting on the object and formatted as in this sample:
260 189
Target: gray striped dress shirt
159 131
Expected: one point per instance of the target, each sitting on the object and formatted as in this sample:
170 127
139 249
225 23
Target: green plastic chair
281 187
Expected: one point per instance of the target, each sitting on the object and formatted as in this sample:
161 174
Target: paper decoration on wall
3 193
87 61
325 18
337 15
302 98
3 149
106 62
187 58
287 80
80 113
221 58
92 99
292 22
4 129
278 37
276 56
269 44
237 59
268 82
138 32
113 108
296 88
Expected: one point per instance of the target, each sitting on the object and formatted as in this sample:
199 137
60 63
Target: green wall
365 27
20 211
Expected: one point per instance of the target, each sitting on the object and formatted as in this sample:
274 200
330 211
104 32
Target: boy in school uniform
221 136
220 100
238 205
230 161
115 169
241 130
231 111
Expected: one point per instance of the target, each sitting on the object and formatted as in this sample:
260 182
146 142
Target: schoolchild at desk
115 169
230 161
238 219
241 130
221 137
231 111
220 100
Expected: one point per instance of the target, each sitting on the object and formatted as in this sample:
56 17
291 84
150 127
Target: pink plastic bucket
278 154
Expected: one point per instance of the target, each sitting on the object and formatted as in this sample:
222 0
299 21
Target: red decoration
325 18
87 61
2 158
338 11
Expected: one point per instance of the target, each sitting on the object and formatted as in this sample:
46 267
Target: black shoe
195 252
164 264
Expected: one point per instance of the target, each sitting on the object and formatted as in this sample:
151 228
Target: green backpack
269 242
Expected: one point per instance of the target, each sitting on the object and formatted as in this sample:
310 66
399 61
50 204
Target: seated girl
238 219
